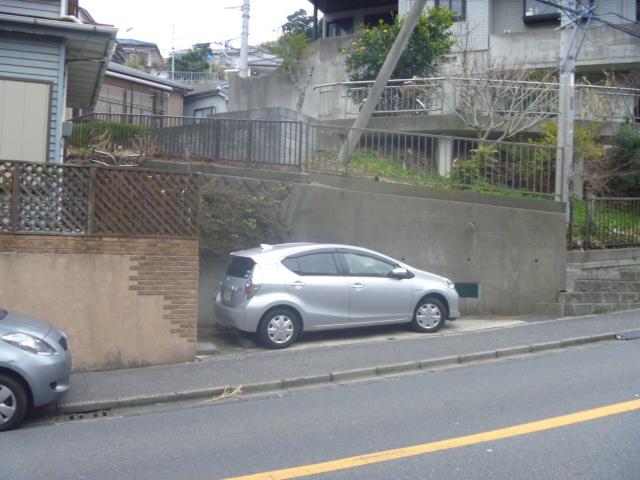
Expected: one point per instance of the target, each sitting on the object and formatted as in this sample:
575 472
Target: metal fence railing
59 199
442 95
436 159
599 222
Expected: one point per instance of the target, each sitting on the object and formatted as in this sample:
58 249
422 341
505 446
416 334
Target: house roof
329 6
274 62
87 49
118 68
209 89
130 42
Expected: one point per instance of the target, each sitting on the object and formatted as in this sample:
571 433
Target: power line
579 15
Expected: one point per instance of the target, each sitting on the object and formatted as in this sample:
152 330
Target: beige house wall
122 302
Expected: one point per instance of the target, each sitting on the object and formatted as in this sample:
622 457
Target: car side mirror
400 272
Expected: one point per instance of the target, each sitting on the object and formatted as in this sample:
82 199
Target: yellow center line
395 454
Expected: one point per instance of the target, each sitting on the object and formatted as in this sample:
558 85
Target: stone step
631 274
603 286
598 297
577 309
610 273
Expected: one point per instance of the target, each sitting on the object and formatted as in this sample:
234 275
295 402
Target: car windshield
3 313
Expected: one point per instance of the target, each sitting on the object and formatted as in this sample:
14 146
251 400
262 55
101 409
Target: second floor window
340 27
458 7
535 11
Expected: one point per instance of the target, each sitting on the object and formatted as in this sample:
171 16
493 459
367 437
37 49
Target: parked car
35 366
281 290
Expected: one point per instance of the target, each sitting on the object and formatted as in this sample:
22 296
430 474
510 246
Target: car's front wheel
429 315
13 403
279 328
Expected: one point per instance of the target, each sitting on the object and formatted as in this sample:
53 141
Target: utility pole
173 52
244 47
564 161
384 75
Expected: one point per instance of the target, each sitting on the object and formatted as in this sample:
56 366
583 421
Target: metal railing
599 222
189 77
412 157
440 95
60 199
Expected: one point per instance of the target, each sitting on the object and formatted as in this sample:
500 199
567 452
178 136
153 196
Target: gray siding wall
507 15
31 8
31 58
472 32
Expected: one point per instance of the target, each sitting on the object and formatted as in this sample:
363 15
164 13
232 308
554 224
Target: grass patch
372 164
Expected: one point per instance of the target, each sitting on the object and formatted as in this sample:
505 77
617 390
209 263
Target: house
145 54
346 17
49 61
132 91
260 61
515 33
207 99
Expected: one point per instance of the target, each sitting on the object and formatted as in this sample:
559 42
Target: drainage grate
633 335
74 417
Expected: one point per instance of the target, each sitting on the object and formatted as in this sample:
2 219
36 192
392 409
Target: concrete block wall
123 302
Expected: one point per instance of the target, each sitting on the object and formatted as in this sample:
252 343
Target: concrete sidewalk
326 359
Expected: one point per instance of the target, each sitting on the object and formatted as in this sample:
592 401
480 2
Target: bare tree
494 96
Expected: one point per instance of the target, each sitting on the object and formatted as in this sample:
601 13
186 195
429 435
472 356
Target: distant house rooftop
119 69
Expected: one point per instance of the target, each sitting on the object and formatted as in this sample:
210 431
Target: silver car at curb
35 366
279 291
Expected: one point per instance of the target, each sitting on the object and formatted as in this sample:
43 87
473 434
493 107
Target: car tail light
250 289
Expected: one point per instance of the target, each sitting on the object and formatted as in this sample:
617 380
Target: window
340 27
312 264
459 7
240 267
373 20
204 112
535 12
367 266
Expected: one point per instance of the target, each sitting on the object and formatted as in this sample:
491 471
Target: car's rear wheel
429 315
13 403
279 328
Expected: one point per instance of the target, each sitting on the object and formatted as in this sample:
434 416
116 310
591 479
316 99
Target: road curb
217 393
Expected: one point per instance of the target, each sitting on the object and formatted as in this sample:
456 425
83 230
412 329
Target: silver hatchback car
278 291
35 366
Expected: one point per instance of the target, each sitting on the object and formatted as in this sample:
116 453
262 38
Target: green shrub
231 220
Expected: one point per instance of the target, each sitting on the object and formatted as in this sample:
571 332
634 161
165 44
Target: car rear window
240 267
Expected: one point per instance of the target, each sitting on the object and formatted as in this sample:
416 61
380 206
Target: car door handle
297 284
358 286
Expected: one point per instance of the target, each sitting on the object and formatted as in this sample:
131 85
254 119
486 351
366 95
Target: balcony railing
190 77
439 95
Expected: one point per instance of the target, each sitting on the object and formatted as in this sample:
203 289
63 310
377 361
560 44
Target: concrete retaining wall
122 302
513 248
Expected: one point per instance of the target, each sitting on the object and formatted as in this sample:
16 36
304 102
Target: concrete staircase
601 289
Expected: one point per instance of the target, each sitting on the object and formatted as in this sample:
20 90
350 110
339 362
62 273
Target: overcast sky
195 21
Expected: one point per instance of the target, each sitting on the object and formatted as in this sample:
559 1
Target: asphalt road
239 437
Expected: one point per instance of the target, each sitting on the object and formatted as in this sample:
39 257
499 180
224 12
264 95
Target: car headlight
29 343
449 283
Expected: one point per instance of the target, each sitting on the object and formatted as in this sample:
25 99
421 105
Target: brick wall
123 301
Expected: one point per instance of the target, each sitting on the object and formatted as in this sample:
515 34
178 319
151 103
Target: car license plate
226 295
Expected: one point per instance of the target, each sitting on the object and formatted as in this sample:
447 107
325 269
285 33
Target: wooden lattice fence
38 198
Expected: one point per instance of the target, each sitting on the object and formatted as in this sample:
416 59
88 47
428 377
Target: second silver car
281 290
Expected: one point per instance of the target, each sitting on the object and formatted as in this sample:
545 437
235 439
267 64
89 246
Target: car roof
274 252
